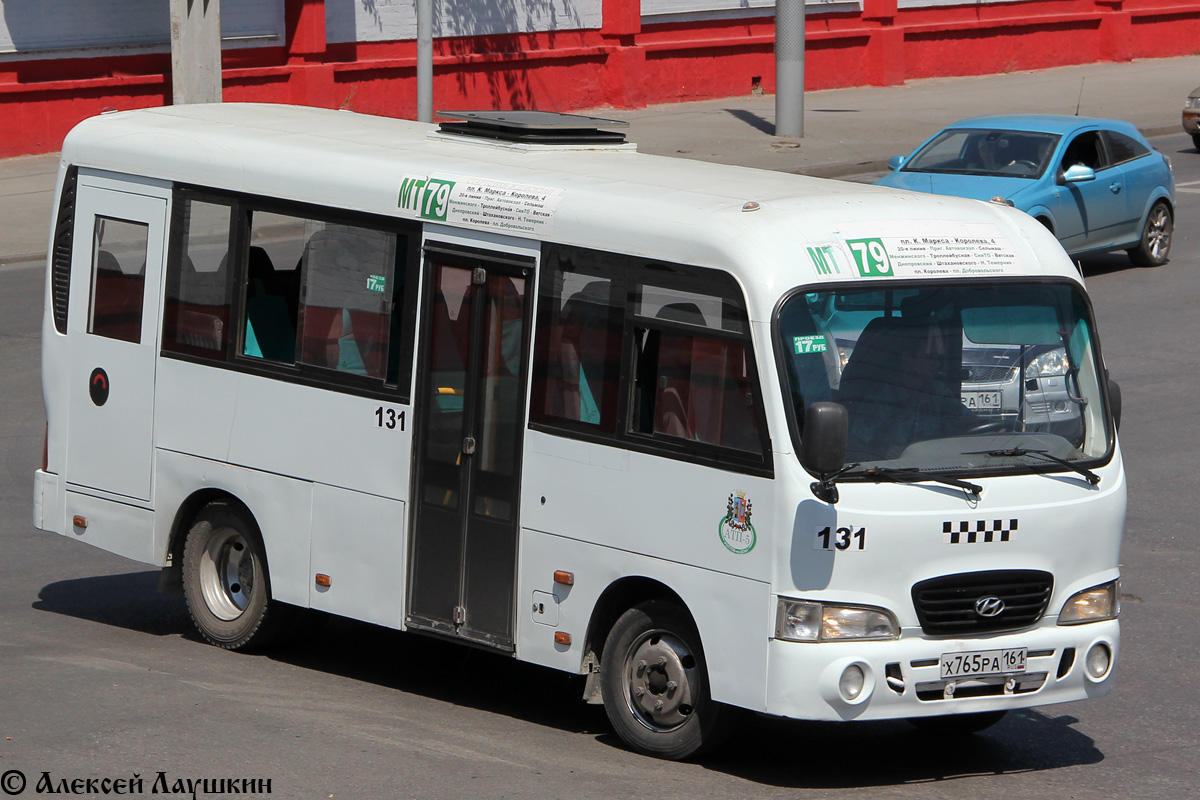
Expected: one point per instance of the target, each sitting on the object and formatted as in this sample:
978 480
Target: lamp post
195 51
789 68
425 60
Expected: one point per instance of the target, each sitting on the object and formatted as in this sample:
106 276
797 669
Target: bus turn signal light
79 521
564 577
562 638
324 580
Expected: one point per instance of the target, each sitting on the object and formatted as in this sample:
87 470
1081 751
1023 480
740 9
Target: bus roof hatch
533 127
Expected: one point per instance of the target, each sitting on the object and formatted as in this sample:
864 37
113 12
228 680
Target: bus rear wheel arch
654 683
225 579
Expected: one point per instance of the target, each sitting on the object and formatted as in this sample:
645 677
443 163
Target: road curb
22 261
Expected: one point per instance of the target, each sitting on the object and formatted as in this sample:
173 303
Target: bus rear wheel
655 684
225 579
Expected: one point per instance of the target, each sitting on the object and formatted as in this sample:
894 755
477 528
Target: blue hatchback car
1097 184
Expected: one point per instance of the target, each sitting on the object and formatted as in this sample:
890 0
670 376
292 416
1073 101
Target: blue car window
1088 149
989 152
1124 148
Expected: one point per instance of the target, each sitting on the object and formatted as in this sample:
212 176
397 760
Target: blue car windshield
971 151
943 377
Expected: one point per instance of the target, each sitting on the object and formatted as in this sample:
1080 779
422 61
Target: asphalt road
100 677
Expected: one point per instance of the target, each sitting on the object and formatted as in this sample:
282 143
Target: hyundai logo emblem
989 606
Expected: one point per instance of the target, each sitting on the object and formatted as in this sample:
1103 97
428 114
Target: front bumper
902 676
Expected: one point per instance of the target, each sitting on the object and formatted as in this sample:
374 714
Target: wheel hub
1157 236
227 574
661 675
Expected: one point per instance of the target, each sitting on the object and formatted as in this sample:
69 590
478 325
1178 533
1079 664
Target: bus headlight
1092 605
803 621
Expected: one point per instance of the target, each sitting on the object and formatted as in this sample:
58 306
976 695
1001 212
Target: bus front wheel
655 684
225 579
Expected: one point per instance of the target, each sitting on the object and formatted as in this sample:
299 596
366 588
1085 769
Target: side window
1124 148
324 294
314 297
656 357
693 379
345 311
196 312
272 290
1087 149
578 360
118 278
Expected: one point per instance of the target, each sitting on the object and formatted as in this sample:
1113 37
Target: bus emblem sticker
735 530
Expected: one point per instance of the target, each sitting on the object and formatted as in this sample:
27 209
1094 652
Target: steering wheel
1032 167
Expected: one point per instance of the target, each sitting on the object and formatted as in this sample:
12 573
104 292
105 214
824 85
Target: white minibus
718 439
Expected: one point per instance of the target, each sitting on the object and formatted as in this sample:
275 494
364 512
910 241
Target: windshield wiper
913 475
1041 455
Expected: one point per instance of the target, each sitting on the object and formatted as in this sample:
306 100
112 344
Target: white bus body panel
281 506
113 526
730 612
360 542
319 435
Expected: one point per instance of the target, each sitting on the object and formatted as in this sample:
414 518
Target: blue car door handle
1115 188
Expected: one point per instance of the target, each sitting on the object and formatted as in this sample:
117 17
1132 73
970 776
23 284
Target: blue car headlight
1050 364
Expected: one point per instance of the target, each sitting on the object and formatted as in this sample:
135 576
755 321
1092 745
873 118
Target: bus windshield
969 378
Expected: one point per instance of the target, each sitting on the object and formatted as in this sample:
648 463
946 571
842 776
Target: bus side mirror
1114 399
823 448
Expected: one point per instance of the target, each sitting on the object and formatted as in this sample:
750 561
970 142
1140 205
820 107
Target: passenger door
1089 213
120 240
470 423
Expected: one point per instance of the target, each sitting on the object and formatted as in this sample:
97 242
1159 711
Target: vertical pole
195 51
789 68
425 60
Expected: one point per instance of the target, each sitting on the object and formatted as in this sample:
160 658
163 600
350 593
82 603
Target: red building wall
624 64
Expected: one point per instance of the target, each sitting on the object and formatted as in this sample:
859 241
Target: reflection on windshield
1012 154
950 377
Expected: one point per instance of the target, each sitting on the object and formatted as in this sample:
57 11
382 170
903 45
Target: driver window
1086 149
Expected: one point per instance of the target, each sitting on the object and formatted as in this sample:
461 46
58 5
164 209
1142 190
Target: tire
957 724
225 580
652 656
1196 140
1155 246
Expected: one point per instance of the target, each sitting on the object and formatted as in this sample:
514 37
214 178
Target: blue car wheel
1155 245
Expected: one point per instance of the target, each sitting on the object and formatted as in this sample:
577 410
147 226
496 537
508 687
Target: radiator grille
978 373
945 606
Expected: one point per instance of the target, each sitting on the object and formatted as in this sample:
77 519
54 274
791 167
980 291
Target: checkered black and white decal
978 532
